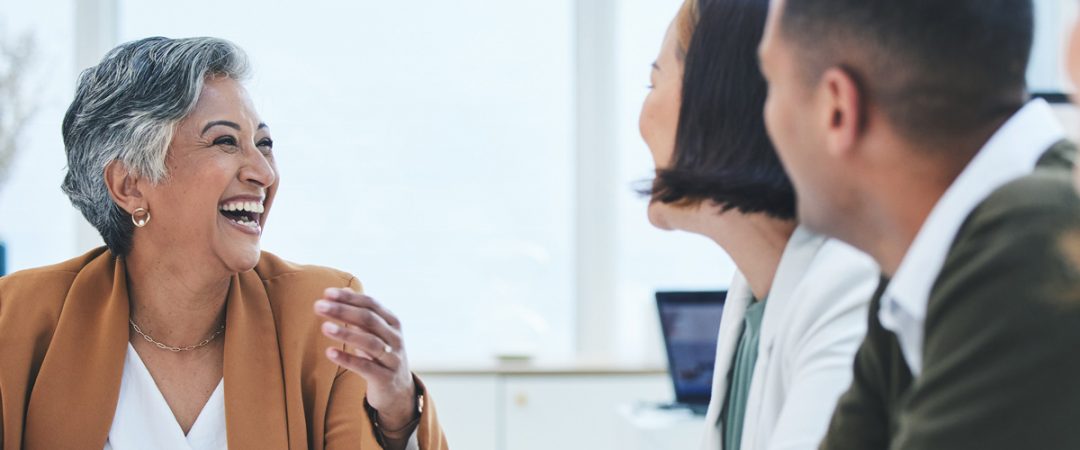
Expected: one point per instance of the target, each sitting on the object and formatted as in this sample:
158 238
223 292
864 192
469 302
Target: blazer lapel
801 250
795 262
76 391
255 414
738 298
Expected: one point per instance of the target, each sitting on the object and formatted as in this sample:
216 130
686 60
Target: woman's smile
245 213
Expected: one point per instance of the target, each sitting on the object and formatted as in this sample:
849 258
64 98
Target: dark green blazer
1001 351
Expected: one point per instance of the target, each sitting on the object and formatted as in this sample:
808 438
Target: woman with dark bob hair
796 310
181 333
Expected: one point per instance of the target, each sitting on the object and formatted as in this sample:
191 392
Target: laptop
690 322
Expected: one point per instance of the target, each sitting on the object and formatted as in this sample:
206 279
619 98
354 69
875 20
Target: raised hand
373 334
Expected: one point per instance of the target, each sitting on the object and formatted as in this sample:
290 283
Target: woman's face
211 208
660 114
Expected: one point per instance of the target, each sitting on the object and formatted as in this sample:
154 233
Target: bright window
425 147
428 147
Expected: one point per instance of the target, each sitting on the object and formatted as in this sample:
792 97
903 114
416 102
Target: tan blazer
64 334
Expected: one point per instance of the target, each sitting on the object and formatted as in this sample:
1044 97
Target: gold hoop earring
140 221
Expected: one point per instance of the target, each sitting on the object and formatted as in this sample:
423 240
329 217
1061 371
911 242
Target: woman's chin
657 217
243 261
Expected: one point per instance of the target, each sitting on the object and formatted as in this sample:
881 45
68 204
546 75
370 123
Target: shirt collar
1012 152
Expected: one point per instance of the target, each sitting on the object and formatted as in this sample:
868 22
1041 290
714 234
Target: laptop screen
690 322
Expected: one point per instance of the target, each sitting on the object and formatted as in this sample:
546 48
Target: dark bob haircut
722 151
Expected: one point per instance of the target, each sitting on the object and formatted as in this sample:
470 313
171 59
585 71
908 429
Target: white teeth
253 207
244 221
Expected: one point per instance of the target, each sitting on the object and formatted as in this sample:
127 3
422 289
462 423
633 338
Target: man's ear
845 111
124 187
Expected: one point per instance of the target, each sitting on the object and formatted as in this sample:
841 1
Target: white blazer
814 321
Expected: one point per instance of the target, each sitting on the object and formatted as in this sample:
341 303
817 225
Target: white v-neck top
143 418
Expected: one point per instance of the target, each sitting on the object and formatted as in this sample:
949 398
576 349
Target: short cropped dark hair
936 68
722 151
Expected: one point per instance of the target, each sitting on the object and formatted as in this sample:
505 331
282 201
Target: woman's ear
123 186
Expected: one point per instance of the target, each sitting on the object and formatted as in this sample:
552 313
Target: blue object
3 259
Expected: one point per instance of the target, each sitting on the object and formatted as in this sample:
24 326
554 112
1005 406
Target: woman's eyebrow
215 123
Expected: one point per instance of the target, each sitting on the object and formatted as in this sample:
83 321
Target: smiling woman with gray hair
181 333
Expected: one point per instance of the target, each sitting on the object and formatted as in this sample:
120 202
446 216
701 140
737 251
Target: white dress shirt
144 420
814 320
1010 154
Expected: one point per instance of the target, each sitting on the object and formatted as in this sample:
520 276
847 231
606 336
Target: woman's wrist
396 422
393 428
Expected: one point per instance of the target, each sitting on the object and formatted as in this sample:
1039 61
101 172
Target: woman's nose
258 169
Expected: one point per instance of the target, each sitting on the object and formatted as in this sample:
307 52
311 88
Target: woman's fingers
360 317
348 296
367 368
373 333
367 344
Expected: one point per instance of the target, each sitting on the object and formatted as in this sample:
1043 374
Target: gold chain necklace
177 349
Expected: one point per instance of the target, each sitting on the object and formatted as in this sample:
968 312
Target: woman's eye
225 140
266 145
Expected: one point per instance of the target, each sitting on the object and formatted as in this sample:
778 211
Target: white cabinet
526 410
573 412
467 409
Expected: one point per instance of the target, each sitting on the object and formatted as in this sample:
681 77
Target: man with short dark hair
906 129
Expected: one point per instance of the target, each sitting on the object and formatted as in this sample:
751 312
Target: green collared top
742 373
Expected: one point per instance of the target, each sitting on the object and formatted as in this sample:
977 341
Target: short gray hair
126 109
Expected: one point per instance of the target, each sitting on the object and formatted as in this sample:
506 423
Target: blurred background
472 162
